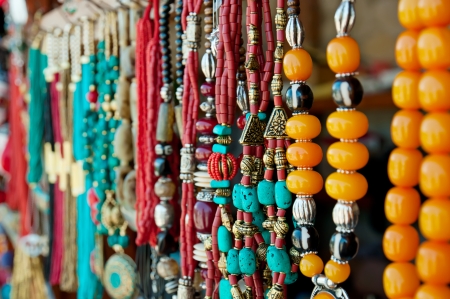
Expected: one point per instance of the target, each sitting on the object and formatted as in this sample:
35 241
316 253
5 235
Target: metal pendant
324 285
120 277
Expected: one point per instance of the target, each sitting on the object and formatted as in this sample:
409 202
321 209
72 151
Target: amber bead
311 265
400 243
343 55
304 154
408 14
404 167
404 90
435 176
324 295
435 133
337 272
434 12
348 187
348 155
406 51
402 205
434 91
433 48
347 124
405 128
400 280
297 65
304 182
434 220
303 126
433 262
431 291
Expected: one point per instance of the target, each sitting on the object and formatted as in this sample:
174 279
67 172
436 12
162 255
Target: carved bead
269 158
253 93
253 34
208 64
345 215
280 158
277 84
164 188
281 228
295 33
247 165
167 268
280 19
304 210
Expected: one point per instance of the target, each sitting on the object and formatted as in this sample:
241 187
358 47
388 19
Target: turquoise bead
222 200
112 240
258 219
249 199
222 130
220 148
247 261
266 193
123 241
233 262
283 197
262 116
113 61
220 184
113 75
113 162
291 277
101 45
225 289
102 229
266 292
237 202
226 240
266 236
278 260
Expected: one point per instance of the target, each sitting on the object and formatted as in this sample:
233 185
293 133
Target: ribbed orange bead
348 155
434 12
434 220
405 128
404 167
406 51
404 90
408 14
324 295
434 91
433 262
435 133
297 65
303 126
347 124
431 291
304 182
348 187
304 154
400 280
343 55
337 272
311 265
402 205
400 243
433 48
435 176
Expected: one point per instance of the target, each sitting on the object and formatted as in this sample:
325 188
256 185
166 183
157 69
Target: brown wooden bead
208 20
208 28
291 3
241 76
208 3
292 11
242 68
208 11
242 50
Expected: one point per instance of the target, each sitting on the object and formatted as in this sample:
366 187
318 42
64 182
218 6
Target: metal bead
253 93
247 165
241 95
345 215
164 215
208 64
225 140
344 18
261 252
159 149
269 158
164 188
252 64
295 256
222 264
206 139
253 34
347 92
299 97
277 84
167 268
223 192
280 19
280 158
304 210
281 228
295 34
344 246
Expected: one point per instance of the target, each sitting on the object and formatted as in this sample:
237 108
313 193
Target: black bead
178 42
165 58
165 243
178 27
166 65
163 29
163 43
299 97
166 80
179 49
344 246
180 81
305 238
162 167
347 92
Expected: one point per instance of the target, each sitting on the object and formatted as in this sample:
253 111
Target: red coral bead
204 216
205 125
203 152
208 89
241 122
92 96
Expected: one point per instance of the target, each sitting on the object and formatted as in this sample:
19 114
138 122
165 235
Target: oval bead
348 155
400 280
291 277
337 272
435 176
311 265
237 202
278 260
247 261
225 289
434 220
249 199
434 91
305 239
205 125
203 152
297 65
430 291
433 262
304 182
435 133
258 219
433 48
204 216
347 124
402 205
283 197
400 243
344 246
343 55
266 192
434 12
303 126
405 128
408 14
233 262
404 90
304 154
226 239
404 167
347 187
406 51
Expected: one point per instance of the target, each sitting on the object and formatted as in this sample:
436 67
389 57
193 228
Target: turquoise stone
249 199
112 240
115 280
266 193
291 277
233 262
113 61
262 116
222 200
220 148
278 260
113 75
283 197
266 236
225 289
237 202
220 184
247 261
225 239
123 241
266 292
222 130
258 219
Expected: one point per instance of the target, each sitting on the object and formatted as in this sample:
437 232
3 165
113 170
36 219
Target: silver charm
345 216
206 139
214 40
344 18
295 34
304 210
208 65
242 98
325 285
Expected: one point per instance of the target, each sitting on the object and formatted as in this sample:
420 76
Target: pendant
326 286
120 277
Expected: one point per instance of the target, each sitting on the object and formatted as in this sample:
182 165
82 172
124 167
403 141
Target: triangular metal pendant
276 127
252 134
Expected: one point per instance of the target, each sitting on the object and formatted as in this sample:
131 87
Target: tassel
123 142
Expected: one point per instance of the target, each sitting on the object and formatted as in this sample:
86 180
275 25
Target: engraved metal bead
252 63
295 255
164 215
261 252
205 195
208 64
345 215
206 139
223 192
280 19
225 140
253 93
253 34
304 210
222 264
280 158
344 18
247 165
277 84
269 158
295 34
164 188
281 228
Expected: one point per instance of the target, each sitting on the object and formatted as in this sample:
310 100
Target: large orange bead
435 133
337 272
304 154
433 262
406 51
348 155
400 280
348 187
324 295
404 167
434 220
303 126
408 14
400 243
434 12
402 205
434 91
297 65
347 124
433 47
404 90
343 55
431 291
304 182
311 265
405 128
435 176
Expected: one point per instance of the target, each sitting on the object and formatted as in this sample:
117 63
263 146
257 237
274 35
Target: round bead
203 152
337 272
324 295
92 96
304 182
434 12
406 51
299 97
303 127
404 90
433 262
311 265
348 155
304 154
241 122
205 125
408 14
434 91
433 48
435 176
344 246
208 89
400 243
347 187
343 55
400 280
347 92
434 219
347 124
404 166
402 205
435 133
204 216
305 239
431 291
297 65
405 128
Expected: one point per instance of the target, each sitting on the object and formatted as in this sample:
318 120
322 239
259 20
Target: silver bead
344 18
164 215
214 40
166 92
206 139
345 215
193 29
168 150
179 93
202 166
208 64
242 98
187 163
304 210
205 195
159 149
295 34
